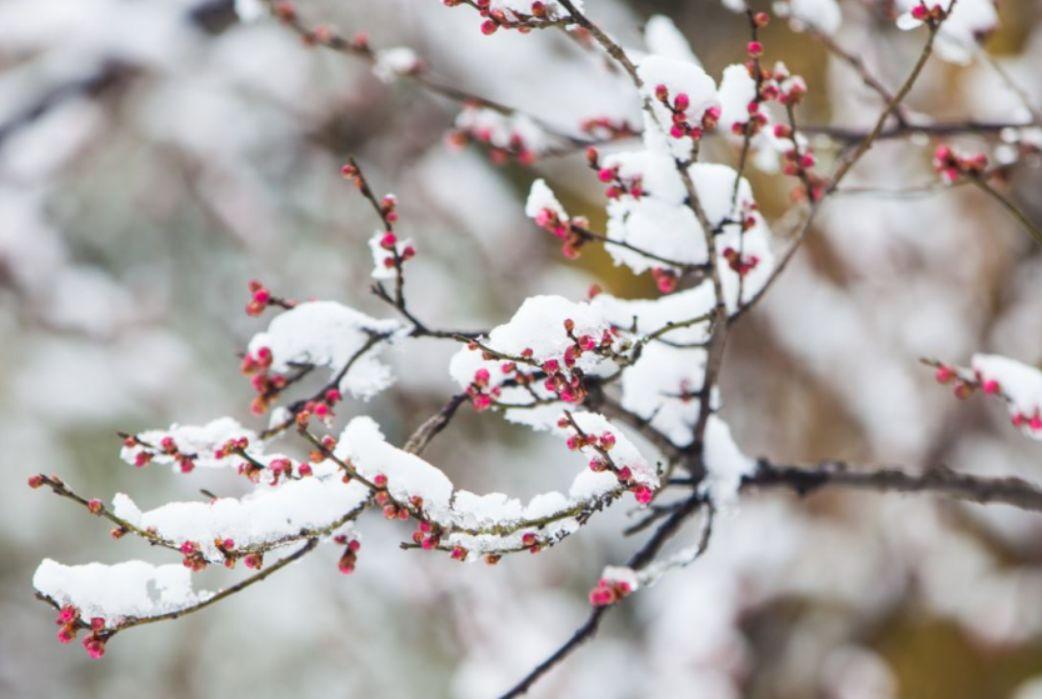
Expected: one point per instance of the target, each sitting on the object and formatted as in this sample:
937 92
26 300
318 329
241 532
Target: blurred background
157 154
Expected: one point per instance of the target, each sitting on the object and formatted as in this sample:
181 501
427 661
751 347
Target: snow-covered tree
688 161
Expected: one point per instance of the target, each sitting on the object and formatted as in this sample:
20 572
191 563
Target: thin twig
981 183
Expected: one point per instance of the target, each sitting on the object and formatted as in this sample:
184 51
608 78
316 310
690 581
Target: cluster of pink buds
389 208
167 446
963 387
951 165
791 90
260 298
193 557
68 617
524 22
563 377
608 592
185 461
284 467
391 509
530 540
94 643
742 264
757 118
685 123
69 622
325 447
577 441
349 559
349 172
251 469
618 186
800 164
516 148
143 457
322 407
254 561
427 535
481 396
232 446
227 548
930 14
665 279
389 242
267 384
570 231
602 462
1033 421
642 493
260 362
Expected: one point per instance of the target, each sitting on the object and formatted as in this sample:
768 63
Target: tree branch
939 480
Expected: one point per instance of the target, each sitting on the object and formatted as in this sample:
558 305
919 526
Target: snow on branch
966 23
1018 384
226 529
186 447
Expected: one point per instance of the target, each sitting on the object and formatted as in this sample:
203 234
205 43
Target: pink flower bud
643 494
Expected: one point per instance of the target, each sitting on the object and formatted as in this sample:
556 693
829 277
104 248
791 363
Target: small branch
891 107
374 339
1009 82
641 558
981 183
421 76
954 128
59 488
430 428
581 634
858 64
939 480
592 235
307 548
